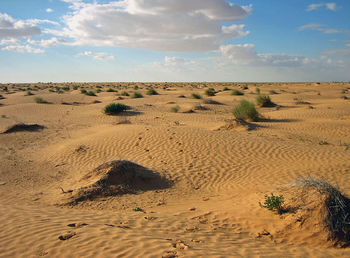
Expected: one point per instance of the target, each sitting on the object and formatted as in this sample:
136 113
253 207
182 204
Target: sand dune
217 171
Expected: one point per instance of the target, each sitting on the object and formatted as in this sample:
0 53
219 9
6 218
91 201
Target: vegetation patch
246 110
115 108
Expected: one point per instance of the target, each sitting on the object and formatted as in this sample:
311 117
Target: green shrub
196 96
110 90
115 108
75 87
39 100
29 93
264 101
210 92
257 90
83 91
246 110
273 203
137 95
175 109
151 91
237 93
226 89
89 93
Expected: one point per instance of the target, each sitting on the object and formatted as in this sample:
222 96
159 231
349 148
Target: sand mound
236 124
315 211
117 178
23 128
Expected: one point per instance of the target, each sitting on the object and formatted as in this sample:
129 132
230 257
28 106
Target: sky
174 40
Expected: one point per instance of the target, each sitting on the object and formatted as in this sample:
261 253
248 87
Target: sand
217 169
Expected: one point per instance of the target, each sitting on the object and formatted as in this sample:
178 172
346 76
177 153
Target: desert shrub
246 110
115 108
124 93
39 100
211 101
75 87
83 91
151 91
257 90
175 109
245 87
196 96
338 206
210 92
66 88
110 90
237 93
89 93
264 101
226 89
273 203
137 95
29 93
136 87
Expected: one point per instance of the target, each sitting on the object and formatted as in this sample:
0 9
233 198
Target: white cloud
329 6
49 10
48 42
39 21
23 49
167 25
10 41
98 55
319 27
11 28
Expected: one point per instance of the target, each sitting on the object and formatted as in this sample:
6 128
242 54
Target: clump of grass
273 203
211 101
115 108
237 93
90 93
110 90
124 93
210 92
137 95
151 91
196 96
40 100
29 93
226 89
264 101
175 109
246 110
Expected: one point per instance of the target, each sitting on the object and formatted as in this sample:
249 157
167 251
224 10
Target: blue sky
174 40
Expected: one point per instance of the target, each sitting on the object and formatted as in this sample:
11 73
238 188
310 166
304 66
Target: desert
175 174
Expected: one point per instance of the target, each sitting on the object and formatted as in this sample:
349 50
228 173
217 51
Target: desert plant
29 93
39 100
175 109
264 101
137 95
246 110
210 92
90 93
151 91
273 203
237 93
226 89
196 96
257 90
115 108
110 90
124 93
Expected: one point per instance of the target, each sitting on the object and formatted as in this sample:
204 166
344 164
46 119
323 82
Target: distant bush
246 110
151 91
196 96
210 92
75 87
110 90
226 89
175 109
115 108
39 100
237 93
124 93
88 93
264 101
137 95
29 93
66 88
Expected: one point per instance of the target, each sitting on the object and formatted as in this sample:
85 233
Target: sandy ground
218 176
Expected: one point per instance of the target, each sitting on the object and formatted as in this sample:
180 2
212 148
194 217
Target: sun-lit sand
200 174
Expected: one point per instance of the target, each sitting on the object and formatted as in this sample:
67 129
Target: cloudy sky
174 40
